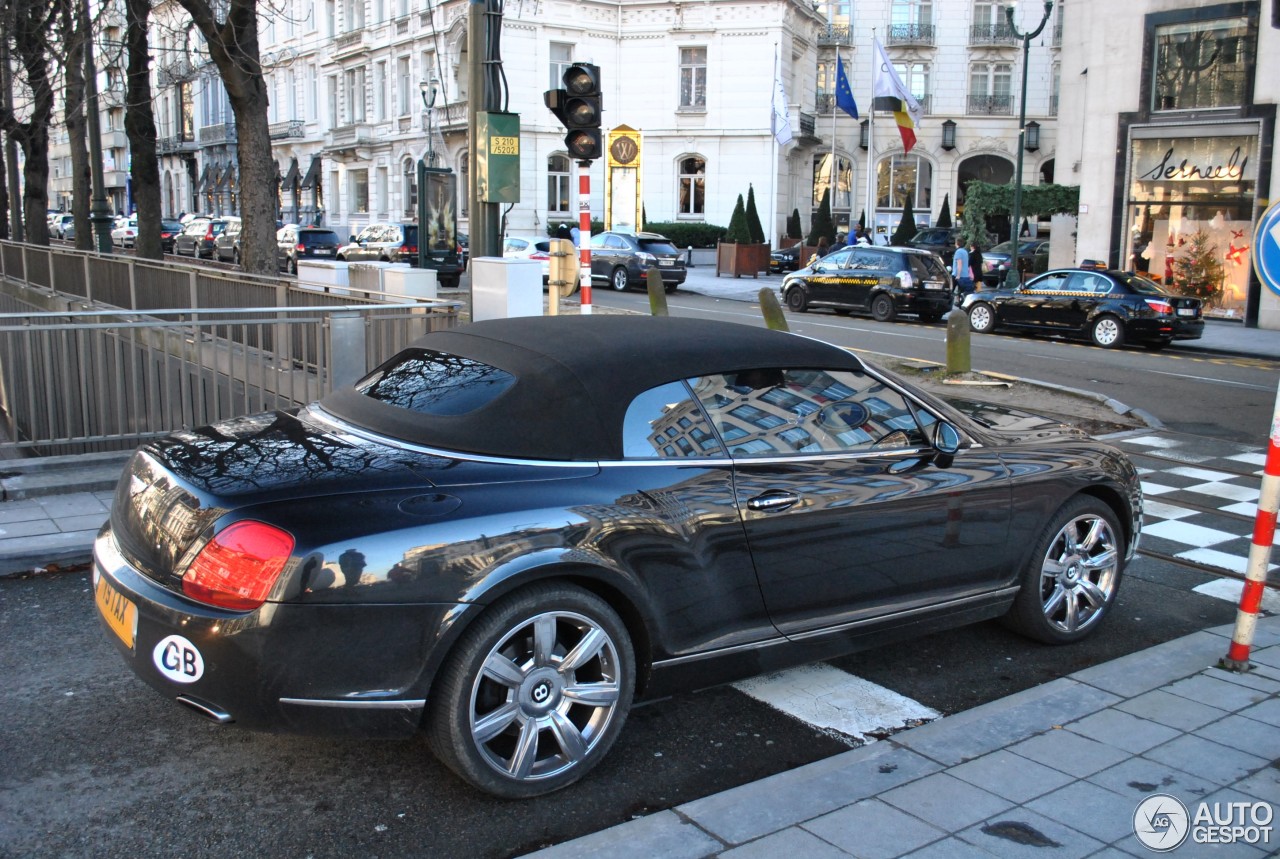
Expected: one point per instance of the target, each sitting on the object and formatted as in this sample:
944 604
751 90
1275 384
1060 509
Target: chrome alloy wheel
545 695
1108 332
1079 573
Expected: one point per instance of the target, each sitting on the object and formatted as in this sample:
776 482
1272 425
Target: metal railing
990 105
835 34
910 34
993 34
181 347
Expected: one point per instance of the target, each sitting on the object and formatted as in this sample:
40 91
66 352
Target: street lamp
1012 278
949 135
429 91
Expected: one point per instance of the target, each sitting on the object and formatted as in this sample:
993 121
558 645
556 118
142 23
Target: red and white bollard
584 234
1264 534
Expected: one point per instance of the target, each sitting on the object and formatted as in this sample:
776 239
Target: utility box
503 288
367 277
323 276
401 279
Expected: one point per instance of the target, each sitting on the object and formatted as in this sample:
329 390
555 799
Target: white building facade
1175 156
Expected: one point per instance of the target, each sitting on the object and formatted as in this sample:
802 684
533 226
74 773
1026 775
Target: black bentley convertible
507 532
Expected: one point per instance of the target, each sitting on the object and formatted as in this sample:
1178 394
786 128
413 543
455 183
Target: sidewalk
1058 770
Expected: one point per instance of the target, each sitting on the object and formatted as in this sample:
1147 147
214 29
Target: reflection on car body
508 531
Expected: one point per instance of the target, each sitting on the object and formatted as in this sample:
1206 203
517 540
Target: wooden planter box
788 242
740 259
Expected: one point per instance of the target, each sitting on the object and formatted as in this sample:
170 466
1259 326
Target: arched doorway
992 169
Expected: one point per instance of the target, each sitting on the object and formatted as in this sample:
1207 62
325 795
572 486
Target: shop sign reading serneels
1194 159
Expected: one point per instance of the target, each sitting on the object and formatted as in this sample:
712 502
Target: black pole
1012 278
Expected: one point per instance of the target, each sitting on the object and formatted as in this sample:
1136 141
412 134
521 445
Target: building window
354 15
1202 64
380 91
1054 86
558 185
911 22
916 78
355 95
333 101
991 89
693 78
464 185
358 199
843 198
902 178
410 189
331 18
403 103
561 59
693 187
836 12
825 98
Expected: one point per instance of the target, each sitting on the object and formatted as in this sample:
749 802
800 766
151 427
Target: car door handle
773 502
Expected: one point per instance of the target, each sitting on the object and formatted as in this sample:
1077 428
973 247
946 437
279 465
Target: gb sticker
178 659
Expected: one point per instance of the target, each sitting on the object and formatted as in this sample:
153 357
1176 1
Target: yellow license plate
117 610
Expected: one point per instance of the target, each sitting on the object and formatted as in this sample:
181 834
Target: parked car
63 226
125 233
784 260
226 244
940 240
198 237
508 531
529 247
1109 307
882 281
169 229
294 242
383 242
1033 258
623 259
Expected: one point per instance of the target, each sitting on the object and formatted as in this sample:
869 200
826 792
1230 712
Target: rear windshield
1141 285
410 234
318 237
171 225
435 383
928 267
658 247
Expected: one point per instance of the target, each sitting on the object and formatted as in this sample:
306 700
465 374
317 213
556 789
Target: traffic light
577 106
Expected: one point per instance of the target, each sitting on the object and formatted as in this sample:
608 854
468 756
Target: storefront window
902 178
843 198
1202 65
1190 216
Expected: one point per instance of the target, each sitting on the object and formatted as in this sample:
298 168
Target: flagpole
871 145
773 148
833 165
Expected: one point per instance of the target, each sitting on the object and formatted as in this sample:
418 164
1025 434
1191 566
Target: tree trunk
233 47
31 26
140 127
81 178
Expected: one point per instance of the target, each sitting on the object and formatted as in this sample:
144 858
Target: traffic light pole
584 234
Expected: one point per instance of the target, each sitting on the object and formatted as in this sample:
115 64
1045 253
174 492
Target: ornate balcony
285 130
346 138
214 135
175 72
351 43
836 34
990 105
807 124
910 34
992 35
175 145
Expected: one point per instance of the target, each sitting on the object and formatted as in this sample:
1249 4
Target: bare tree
140 127
230 28
32 20
74 34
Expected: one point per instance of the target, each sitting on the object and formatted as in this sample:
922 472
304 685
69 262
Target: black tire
566 735
982 317
671 287
1073 575
797 299
883 309
619 279
1107 332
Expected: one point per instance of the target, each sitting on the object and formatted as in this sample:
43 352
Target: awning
313 174
204 177
292 176
216 180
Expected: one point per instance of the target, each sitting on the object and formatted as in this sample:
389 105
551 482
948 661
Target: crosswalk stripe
837 703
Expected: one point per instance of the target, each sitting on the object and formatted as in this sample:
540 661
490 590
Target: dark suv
294 242
881 281
940 240
621 259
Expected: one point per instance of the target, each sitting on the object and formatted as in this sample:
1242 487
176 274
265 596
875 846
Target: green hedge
686 234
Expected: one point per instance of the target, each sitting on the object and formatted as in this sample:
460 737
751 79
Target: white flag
781 112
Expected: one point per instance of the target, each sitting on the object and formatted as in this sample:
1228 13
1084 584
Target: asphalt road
97 764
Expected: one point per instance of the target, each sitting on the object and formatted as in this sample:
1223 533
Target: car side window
865 259
615 242
1049 283
1093 284
666 423
837 259
770 412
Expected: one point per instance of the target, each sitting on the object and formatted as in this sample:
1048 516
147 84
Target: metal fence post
346 349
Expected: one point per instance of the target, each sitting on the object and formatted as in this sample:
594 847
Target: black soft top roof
575 377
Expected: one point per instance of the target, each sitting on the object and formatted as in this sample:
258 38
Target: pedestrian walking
960 270
975 263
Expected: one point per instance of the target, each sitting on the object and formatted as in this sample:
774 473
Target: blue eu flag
844 95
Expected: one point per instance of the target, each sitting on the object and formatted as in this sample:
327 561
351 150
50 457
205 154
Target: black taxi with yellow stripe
882 281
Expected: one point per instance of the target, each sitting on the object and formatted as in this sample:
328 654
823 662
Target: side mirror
946 440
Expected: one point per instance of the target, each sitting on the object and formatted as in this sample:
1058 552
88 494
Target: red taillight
1164 308
301 248
411 250
208 236
238 568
